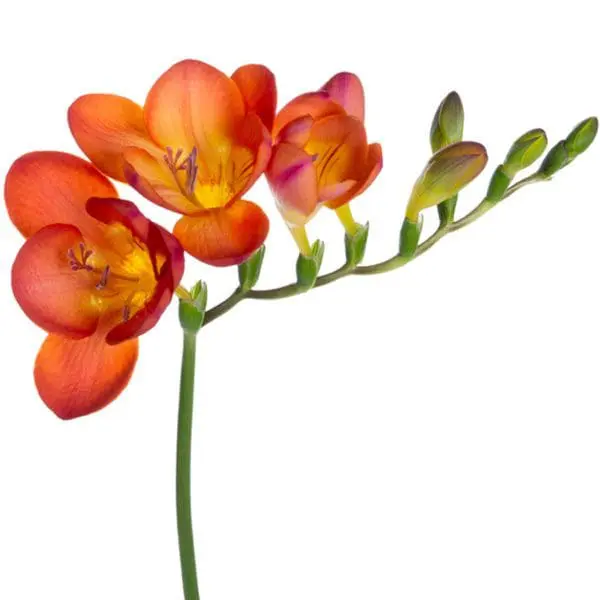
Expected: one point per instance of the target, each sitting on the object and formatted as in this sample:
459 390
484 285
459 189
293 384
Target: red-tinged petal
297 132
292 178
78 377
347 90
43 188
104 126
257 85
339 147
51 294
373 167
153 180
190 104
251 135
314 104
166 255
224 236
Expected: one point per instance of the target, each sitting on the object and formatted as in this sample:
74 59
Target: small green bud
448 171
307 267
409 236
192 310
498 185
249 271
525 151
580 139
356 245
448 122
555 160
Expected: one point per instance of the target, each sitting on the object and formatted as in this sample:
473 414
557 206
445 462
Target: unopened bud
448 122
525 151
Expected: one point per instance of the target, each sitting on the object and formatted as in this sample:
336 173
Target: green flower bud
447 125
192 310
580 139
555 160
447 172
409 236
307 267
525 151
356 245
249 271
498 185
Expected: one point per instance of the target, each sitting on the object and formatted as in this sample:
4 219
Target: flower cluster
96 274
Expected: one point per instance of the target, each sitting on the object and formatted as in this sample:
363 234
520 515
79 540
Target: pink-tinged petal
373 167
347 90
332 192
257 85
43 188
224 236
52 294
190 105
296 132
104 126
251 135
153 180
293 180
78 377
166 255
314 104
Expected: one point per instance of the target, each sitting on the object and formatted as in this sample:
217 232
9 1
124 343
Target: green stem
184 451
389 264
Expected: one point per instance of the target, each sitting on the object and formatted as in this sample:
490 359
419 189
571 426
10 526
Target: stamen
126 313
78 264
190 166
103 279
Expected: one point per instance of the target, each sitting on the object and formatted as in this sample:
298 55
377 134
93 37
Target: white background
427 434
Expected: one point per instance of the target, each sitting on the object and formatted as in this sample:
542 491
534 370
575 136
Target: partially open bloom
199 143
321 155
93 272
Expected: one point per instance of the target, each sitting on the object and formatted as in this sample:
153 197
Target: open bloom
321 155
197 146
93 272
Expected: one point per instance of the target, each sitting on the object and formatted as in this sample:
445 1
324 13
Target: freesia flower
199 143
321 155
93 272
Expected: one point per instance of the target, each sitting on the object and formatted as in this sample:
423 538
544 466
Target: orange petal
339 147
104 126
191 102
152 178
50 293
257 85
296 132
43 188
373 167
314 104
251 135
347 90
293 181
224 236
78 377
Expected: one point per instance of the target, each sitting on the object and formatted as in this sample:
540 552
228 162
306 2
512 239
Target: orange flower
94 273
197 146
321 155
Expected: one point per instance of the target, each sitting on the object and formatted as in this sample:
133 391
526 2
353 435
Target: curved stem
184 451
227 304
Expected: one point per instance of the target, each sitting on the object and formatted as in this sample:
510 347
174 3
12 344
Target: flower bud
498 185
447 126
525 151
409 236
249 271
555 160
192 310
356 245
307 267
580 139
446 173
